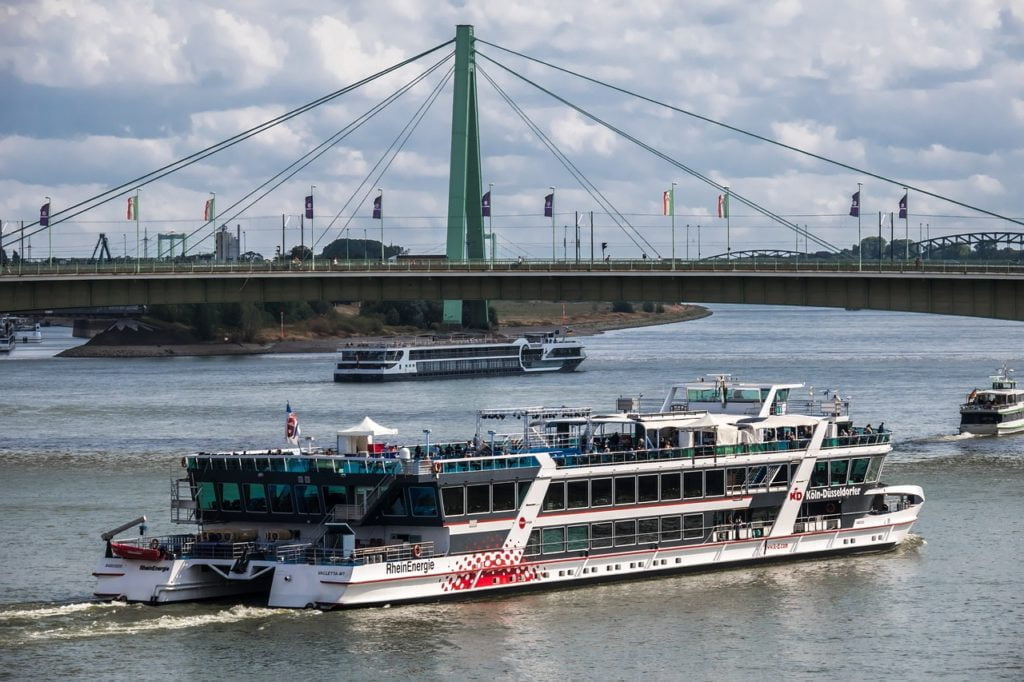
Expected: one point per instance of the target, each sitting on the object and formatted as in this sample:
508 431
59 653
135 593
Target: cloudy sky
929 93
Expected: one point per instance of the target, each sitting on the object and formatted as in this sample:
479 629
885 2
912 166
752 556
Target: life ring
830 508
416 551
154 544
437 467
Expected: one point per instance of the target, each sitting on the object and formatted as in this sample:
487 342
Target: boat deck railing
310 554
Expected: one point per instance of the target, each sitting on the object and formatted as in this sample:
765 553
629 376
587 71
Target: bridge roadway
994 291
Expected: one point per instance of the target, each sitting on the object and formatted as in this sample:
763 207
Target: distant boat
458 357
8 337
997 411
28 331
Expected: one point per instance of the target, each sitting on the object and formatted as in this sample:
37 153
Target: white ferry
28 331
567 497
996 411
8 337
454 357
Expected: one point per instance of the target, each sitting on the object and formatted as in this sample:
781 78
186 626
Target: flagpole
136 212
906 226
312 230
49 228
490 218
728 241
860 245
381 195
672 207
552 224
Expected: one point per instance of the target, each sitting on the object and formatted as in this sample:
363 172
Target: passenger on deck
881 427
418 452
868 429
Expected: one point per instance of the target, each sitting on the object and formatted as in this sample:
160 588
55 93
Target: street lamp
491 433
426 438
552 223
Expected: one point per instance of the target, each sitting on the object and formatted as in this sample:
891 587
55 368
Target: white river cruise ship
565 497
458 357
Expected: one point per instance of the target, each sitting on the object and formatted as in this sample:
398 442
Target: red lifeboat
151 553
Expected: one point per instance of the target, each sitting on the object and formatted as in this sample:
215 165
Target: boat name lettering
831 494
409 567
778 545
162 569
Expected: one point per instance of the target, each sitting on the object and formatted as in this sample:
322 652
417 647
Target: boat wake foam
235 614
57 611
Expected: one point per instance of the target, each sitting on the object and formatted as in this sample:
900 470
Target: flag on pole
903 205
855 204
309 207
723 205
210 210
44 215
549 205
133 208
485 205
378 205
291 425
668 202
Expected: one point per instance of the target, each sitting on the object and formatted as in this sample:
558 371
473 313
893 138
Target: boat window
693 527
206 496
702 395
625 490
308 500
782 395
737 479
532 544
578 538
424 501
255 497
670 486
601 535
781 476
281 499
394 503
600 492
578 494
554 540
858 469
693 484
669 528
503 497
334 495
555 497
625 533
454 501
647 488
278 464
523 487
647 531
230 497
819 477
478 499
874 469
838 471
756 476
714 483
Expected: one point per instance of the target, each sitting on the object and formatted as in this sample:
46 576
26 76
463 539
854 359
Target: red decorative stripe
115 575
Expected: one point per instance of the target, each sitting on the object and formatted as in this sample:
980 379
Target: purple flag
377 206
855 204
44 214
549 205
309 207
903 205
485 205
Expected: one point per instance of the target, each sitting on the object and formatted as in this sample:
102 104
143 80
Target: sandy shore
579 327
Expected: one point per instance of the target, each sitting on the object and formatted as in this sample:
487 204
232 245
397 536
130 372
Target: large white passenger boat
454 357
566 497
995 411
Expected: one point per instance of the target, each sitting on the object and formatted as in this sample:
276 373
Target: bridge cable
143 180
318 151
577 174
762 138
732 194
407 131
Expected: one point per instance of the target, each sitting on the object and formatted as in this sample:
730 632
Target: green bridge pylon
465 185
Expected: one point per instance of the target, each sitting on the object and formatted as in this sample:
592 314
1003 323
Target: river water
90 443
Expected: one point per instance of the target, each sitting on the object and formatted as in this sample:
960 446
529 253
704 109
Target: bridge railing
131 268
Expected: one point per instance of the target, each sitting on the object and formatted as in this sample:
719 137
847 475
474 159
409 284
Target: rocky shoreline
577 327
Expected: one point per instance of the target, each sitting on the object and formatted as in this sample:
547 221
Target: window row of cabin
282 498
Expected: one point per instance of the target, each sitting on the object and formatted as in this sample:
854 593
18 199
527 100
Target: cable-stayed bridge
914 275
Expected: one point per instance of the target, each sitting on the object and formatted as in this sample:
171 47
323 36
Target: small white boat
8 337
28 331
996 411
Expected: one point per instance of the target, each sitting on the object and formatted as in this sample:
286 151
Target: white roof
778 421
368 427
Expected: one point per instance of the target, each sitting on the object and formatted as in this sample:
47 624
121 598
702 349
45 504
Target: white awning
367 427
